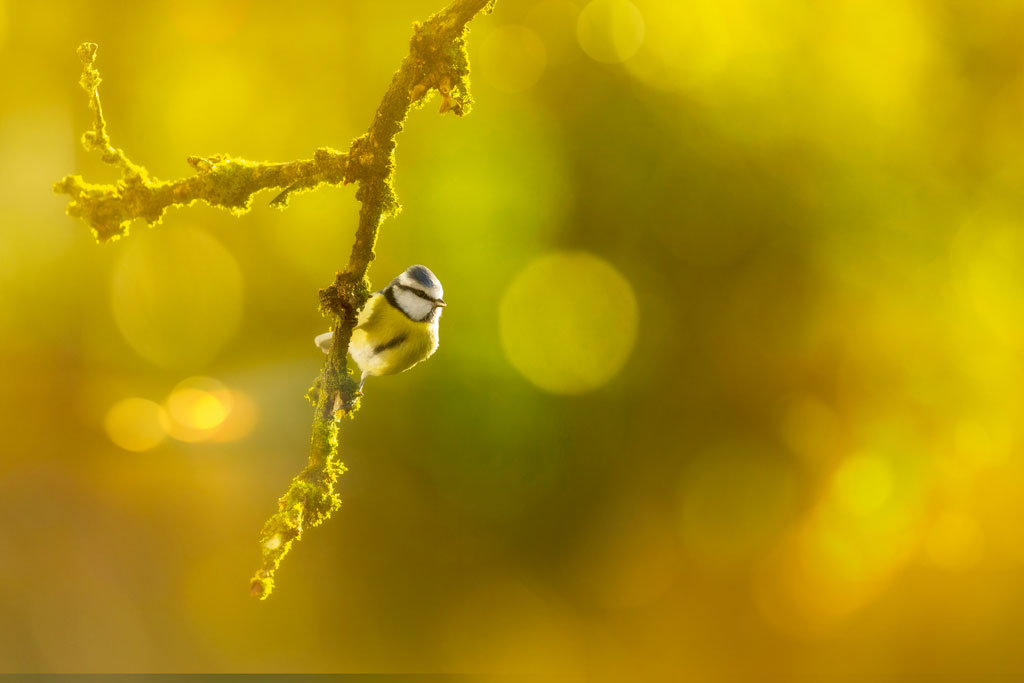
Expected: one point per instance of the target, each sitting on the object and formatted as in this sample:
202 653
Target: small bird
397 327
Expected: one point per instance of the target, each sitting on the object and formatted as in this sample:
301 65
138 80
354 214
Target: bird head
419 294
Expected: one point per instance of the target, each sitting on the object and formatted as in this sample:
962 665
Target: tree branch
437 61
220 180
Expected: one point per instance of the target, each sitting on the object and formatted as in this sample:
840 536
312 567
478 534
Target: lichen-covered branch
220 180
437 62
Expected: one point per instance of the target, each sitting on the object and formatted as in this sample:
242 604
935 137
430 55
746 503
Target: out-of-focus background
730 383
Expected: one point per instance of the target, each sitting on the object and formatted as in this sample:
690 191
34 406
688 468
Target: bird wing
368 317
369 314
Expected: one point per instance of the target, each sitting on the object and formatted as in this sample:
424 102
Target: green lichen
437 62
221 180
308 502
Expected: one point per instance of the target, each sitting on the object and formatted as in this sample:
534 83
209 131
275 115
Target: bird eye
418 292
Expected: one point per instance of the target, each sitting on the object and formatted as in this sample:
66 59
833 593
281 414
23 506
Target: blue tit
397 327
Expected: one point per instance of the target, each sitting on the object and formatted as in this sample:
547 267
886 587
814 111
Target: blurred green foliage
808 463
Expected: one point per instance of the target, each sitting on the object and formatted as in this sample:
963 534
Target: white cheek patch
416 307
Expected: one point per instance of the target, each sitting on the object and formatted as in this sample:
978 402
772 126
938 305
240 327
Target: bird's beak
440 302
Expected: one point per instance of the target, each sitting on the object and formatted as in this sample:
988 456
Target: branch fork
437 61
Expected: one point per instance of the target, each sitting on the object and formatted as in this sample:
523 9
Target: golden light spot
176 296
735 503
610 31
241 419
568 322
954 542
136 424
512 58
863 484
850 546
197 409
197 406
273 543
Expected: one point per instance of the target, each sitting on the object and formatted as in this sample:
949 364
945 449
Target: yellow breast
386 341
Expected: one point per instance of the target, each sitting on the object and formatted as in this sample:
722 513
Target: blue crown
422 275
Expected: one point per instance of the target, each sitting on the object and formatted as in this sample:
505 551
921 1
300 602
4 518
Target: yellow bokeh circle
136 424
512 58
568 322
610 31
863 484
241 419
198 406
177 296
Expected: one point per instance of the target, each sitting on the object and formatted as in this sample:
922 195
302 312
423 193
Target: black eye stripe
415 291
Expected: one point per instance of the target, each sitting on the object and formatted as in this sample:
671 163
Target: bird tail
323 341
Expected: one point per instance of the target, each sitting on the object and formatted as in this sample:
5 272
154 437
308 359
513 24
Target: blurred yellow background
730 382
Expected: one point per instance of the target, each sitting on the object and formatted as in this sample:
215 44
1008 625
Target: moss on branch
220 180
437 62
